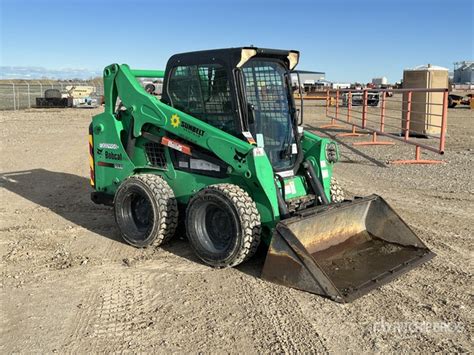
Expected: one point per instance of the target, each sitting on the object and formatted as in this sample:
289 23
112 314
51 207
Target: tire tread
337 193
167 205
249 218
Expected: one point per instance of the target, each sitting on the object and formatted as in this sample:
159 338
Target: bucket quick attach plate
342 251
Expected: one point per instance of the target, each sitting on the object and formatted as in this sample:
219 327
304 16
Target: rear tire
337 193
223 225
146 211
451 103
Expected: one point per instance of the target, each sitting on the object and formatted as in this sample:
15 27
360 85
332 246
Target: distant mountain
8 72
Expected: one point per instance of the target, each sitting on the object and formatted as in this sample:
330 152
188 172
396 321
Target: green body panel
294 187
249 167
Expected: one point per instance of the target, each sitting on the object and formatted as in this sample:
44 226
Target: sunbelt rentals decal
176 122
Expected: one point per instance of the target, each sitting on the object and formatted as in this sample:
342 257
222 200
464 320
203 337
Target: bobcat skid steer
225 143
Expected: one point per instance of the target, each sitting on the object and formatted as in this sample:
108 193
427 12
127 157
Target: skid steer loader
225 146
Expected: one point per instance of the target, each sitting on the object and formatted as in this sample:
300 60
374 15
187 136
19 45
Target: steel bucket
343 251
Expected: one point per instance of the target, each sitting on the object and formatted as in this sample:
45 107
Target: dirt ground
69 284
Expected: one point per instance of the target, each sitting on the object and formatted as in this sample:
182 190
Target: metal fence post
327 103
382 113
349 104
353 133
29 99
14 97
364 109
444 121
408 116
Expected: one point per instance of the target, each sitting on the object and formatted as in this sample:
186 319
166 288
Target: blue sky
349 40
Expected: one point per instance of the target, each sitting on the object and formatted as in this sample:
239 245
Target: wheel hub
141 211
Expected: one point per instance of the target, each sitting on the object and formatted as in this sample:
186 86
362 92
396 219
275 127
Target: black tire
337 193
223 225
150 88
451 103
146 211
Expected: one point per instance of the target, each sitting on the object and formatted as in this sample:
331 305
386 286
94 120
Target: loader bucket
342 251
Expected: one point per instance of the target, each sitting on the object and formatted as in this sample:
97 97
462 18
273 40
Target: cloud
9 72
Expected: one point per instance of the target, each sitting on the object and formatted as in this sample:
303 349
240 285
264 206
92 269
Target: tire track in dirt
82 321
120 308
111 314
280 310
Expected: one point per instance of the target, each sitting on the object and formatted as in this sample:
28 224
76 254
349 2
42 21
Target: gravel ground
69 284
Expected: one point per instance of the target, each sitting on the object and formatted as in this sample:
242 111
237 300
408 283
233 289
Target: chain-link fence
22 95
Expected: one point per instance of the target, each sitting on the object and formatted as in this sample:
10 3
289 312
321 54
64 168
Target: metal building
463 73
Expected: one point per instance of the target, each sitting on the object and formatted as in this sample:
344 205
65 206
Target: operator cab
245 92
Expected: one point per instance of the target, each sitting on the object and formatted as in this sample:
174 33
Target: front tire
146 211
223 225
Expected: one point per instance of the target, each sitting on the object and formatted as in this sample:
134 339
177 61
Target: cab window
203 91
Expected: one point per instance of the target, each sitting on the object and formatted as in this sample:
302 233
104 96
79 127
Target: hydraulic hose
282 207
314 182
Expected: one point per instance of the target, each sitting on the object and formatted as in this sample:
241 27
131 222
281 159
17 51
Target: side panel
111 162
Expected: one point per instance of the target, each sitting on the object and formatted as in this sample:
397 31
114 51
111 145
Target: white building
380 81
341 85
307 77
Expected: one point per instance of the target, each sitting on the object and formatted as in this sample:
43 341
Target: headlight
331 152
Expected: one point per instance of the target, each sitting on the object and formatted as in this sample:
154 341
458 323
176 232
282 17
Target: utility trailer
53 99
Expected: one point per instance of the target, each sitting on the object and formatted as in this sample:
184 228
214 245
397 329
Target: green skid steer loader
224 145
